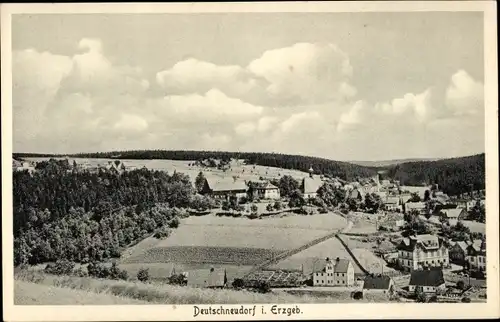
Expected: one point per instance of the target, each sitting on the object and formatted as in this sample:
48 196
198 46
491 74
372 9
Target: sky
344 86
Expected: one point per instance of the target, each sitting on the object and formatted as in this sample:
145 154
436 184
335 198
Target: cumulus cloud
131 122
464 94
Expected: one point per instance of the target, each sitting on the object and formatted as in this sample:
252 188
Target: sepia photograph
234 162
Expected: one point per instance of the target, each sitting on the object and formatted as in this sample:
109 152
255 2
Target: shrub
382 228
177 279
460 285
101 271
278 205
269 208
143 275
323 211
357 295
254 208
263 287
80 272
253 216
238 283
61 267
174 223
466 300
162 233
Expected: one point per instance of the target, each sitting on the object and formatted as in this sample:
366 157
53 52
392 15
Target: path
297 250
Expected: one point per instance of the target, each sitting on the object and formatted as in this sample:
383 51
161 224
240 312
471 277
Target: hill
344 170
454 176
388 163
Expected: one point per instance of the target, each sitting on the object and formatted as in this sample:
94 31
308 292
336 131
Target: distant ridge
387 163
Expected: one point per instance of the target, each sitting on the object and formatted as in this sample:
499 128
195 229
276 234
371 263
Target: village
428 264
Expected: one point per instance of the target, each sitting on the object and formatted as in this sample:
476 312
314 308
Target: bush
238 283
461 285
357 295
278 205
269 207
61 267
254 208
174 223
382 228
263 287
80 272
466 300
162 233
143 275
323 211
177 279
101 271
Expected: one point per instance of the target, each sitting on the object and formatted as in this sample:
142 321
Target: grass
167 294
27 293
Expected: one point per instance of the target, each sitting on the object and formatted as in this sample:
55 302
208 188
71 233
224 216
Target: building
392 204
418 206
427 281
458 252
476 255
210 278
417 252
263 190
335 273
225 188
310 185
115 166
378 284
465 204
454 213
419 190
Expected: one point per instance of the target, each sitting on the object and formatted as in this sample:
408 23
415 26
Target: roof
463 245
354 194
207 277
415 205
453 212
262 185
311 185
225 184
392 200
427 241
377 283
340 266
432 277
415 189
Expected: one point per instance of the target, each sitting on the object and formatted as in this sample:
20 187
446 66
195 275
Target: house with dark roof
427 281
225 188
334 273
476 255
420 251
458 252
263 190
209 278
378 284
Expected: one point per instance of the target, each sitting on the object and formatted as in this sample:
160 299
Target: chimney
337 259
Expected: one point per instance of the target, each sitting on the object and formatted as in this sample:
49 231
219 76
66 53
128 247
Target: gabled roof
225 184
392 200
426 241
432 277
262 185
452 213
462 245
377 283
311 185
340 266
211 277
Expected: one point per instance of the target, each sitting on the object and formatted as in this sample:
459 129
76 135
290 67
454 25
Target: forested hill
454 176
343 170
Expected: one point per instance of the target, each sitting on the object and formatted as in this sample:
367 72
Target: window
343 274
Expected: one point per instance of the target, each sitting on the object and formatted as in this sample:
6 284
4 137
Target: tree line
83 216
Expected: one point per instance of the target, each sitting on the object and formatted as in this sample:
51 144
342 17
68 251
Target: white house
334 273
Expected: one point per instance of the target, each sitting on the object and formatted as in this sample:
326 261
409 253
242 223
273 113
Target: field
27 293
244 172
151 293
232 243
312 258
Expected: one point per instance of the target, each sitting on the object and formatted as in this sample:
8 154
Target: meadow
28 293
152 293
238 168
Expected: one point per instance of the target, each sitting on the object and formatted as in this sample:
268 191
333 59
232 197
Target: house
427 281
466 204
225 188
418 206
210 278
419 251
22 166
458 252
115 166
392 204
476 255
263 190
419 190
378 284
335 273
310 185
454 213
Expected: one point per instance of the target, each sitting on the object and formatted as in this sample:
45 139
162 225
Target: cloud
245 129
465 95
305 73
131 122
